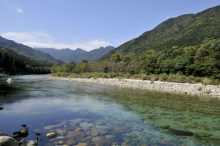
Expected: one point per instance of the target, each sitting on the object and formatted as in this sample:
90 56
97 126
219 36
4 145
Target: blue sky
88 24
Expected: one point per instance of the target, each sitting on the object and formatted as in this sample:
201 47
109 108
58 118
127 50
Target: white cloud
27 36
19 10
43 40
85 45
168 17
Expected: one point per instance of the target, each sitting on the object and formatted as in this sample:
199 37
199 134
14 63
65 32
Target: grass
161 77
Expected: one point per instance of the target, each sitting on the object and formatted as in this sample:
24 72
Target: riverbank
171 87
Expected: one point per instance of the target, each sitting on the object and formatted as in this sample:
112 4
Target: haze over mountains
67 55
190 29
28 51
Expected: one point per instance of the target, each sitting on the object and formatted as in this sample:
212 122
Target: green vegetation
185 30
13 63
190 64
28 52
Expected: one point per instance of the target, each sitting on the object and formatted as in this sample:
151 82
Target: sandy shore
171 87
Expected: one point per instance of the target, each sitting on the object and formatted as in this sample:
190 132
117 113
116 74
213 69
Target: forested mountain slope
190 29
28 51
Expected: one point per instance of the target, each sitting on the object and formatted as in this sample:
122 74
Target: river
90 114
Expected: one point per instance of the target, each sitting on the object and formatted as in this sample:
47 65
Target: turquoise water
106 115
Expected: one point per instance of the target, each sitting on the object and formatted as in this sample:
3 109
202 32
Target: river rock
100 140
76 135
122 130
8 141
29 143
72 142
203 134
164 127
3 134
97 131
76 121
100 123
84 144
54 126
180 132
51 135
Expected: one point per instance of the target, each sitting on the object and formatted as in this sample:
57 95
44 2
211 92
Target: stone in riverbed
3 134
51 135
164 127
76 135
72 142
84 144
29 143
122 130
100 140
100 123
181 132
8 141
97 131
54 126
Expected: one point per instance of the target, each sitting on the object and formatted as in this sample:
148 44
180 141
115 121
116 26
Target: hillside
190 29
28 51
67 55
13 63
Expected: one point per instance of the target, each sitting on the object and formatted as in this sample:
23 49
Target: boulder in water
1 108
9 81
51 135
8 141
181 132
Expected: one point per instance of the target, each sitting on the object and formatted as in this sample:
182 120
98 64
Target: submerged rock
164 127
181 132
51 135
7 141
97 131
122 130
54 126
100 140
3 134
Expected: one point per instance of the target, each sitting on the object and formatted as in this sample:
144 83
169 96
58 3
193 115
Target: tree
70 66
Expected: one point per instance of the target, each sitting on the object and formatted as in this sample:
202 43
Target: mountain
77 55
189 29
13 63
28 51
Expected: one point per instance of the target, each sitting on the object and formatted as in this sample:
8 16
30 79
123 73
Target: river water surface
90 114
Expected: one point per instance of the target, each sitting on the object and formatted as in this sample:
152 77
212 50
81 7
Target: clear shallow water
105 115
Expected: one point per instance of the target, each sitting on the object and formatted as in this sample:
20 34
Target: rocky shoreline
170 87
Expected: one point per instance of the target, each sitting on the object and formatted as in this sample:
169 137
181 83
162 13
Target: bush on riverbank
161 77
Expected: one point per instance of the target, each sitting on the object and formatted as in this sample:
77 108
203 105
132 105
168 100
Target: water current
98 115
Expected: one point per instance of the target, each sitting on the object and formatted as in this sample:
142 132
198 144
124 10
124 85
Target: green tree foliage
13 63
70 66
182 31
198 61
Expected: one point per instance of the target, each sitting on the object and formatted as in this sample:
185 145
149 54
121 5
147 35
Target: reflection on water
103 115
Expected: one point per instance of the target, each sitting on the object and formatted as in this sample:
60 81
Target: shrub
154 78
191 79
216 82
198 79
206 81
144 77
181 79
170 78
163 77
